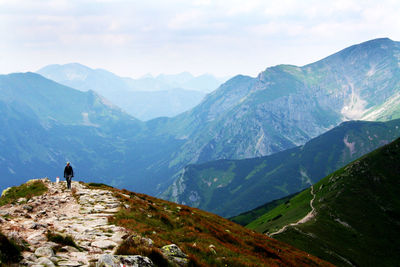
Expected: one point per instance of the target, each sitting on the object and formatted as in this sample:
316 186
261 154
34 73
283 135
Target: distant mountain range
145 98
44 124
357 213
229 187
285 106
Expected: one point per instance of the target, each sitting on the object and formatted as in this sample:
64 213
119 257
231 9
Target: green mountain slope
229 187
357 213
44 124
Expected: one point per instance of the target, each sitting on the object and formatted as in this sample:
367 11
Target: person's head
68 163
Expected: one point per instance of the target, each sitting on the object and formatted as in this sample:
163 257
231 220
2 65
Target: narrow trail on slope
306 218
83 216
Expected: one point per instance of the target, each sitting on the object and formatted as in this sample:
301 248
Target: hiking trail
83 216
306 218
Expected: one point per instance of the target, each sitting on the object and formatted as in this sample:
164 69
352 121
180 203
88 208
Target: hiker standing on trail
68 174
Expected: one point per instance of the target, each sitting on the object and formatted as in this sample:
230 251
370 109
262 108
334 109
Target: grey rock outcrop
107 260
175 254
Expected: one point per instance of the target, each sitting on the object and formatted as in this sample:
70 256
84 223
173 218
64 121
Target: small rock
43 212
35 238
70 249
104 244
69 263
36 226
27 207
54 259
212 249
44 252
4 213
45 262
32 257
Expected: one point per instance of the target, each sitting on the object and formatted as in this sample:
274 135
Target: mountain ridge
244 118
363 233
229 187
145 98
95 223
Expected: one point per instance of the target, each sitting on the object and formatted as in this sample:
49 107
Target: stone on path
44 252
45 262
104 244
108 260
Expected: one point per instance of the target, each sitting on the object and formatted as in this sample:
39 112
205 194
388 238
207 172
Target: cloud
222 37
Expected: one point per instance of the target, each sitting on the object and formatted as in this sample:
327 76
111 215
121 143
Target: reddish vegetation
208 239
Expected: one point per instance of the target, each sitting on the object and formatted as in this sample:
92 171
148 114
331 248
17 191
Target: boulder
107 260
136 260
44 252
175 254
173 250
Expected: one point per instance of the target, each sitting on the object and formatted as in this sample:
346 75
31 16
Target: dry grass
208 239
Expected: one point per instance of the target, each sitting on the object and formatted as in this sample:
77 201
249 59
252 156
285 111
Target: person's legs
69 182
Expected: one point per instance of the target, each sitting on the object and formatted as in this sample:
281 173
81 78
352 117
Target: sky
220 37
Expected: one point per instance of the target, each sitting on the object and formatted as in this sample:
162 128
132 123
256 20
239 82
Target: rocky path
306 218
83 216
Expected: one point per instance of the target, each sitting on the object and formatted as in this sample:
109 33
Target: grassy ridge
358 213
208 239
27 190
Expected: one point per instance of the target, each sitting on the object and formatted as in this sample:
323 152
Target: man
68 174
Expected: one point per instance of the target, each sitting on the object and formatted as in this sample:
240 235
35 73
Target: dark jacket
68 171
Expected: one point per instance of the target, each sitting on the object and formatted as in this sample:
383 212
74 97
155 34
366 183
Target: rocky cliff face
286 106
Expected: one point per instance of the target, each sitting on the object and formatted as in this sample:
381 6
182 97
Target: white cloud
137 37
